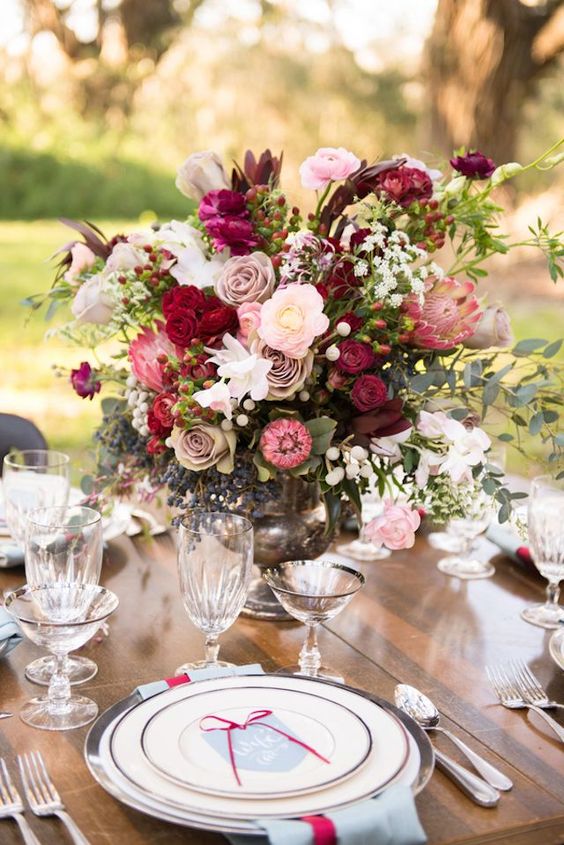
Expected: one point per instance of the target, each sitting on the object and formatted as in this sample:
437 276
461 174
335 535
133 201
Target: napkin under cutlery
511 545
10 634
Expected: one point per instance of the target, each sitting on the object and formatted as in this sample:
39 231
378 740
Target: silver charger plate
96 767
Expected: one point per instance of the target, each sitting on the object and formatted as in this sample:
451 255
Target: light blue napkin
389 819
155 687
9 632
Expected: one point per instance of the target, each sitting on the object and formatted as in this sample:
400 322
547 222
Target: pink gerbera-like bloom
144 352
286 443
448 315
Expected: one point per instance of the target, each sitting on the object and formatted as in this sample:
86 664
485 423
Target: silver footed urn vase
292 528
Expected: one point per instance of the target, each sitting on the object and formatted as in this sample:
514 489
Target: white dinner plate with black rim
187 742
556 647
416 773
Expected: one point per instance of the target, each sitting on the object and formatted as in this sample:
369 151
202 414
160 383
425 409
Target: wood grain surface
410 623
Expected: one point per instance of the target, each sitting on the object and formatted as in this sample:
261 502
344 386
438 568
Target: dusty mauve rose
93 303
329 164
494 329
204 446
369 392
287 375
404 185
248 315
246 278
183 297
182 327
354 356
201 172
474 165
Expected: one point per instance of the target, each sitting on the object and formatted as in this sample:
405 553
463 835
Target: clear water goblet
467 564
362 548
215 559
313 591
60 618
63 545
545 520
33 478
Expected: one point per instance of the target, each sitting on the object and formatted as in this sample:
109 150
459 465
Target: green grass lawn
27 382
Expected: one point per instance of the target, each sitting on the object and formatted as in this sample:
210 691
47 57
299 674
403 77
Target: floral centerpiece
250 340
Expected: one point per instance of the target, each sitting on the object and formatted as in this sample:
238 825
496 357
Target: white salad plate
188 742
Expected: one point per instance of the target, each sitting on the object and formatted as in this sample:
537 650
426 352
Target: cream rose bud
204 446
93 303
246 278
494 329
201 172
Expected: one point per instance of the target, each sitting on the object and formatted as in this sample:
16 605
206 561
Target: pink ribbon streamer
254 718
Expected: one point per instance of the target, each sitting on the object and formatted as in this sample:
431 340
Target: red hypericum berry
433 204
125 300
148 248
449 219
162 359
147 266
277 215
276 260
295 210
138 269
153 256
121 279
429 217
379 324
154 280
421 245
385 349
376 306
281 200
403 338
251 195
166 253
311 216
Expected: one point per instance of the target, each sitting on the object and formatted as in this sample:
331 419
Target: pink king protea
144 352
448 315
286 443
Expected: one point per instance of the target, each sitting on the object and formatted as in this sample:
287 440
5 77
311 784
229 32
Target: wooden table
410 623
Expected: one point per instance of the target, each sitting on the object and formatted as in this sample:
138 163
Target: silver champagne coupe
313 591
60 618
63 545
215 559
545 520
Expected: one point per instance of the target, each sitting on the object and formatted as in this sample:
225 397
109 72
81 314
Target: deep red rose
183 297
336 380
201 369
222 203
355 357
404 185
84 381
342 279
162 408
155 426
212 302
214 324
155 447
369 392
232 232
383 422
352 320
181 327
474 165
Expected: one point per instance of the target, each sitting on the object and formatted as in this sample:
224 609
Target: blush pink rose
82 258
395 528
248 315
292 318
329 164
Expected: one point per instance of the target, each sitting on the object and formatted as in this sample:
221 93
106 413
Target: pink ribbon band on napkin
254 718
177 680
323 830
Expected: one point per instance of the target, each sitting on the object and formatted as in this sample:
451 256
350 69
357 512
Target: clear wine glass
313 591
215 559
33 478
545 519
362 548
63 545
60 618
467 564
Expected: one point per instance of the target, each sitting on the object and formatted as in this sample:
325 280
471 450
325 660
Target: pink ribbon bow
254 718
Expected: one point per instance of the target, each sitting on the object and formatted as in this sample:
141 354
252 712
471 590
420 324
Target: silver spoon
5 715
478 790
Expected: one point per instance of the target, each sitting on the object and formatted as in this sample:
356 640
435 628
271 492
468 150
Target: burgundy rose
201 369
385 421
352 320
474 165
212 302
154 446
217 322
354 356
162 408
369 392
232 232
336 380
181 327
183 297
221 204
155 426
404 185
84 381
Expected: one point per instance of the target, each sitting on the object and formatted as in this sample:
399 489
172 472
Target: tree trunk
483 59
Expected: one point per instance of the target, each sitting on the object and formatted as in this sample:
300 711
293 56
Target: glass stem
212 649
552 593
59 693
310 657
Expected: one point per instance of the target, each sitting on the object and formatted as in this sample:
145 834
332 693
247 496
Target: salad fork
11 806
510 696
530 687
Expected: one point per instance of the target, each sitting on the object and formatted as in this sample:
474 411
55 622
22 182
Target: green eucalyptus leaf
536 423
528 345
506 438
87 484
552 349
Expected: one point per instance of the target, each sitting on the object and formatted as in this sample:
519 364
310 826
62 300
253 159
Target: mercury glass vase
292 528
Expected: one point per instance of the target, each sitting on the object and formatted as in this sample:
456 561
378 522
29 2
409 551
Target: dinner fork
11 806
510 697
43 798
530 687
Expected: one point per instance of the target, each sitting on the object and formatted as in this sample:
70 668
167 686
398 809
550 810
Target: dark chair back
18 433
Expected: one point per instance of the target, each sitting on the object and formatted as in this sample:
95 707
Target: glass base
261 602
359 550
78 712
468 569
186 668
444 541
544 615
324 673
80 670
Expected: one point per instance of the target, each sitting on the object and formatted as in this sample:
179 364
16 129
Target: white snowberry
335 476
332 453
352 470
343 329
367 471
332 353
303 395
249 405
226 425
359 453
242 420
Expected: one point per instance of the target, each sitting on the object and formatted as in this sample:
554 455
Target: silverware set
41 795
517 688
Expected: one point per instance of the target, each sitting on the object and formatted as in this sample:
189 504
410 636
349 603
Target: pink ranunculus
82 259
395 528
285 443
248 315
494 329
292 318
329 164
144 352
